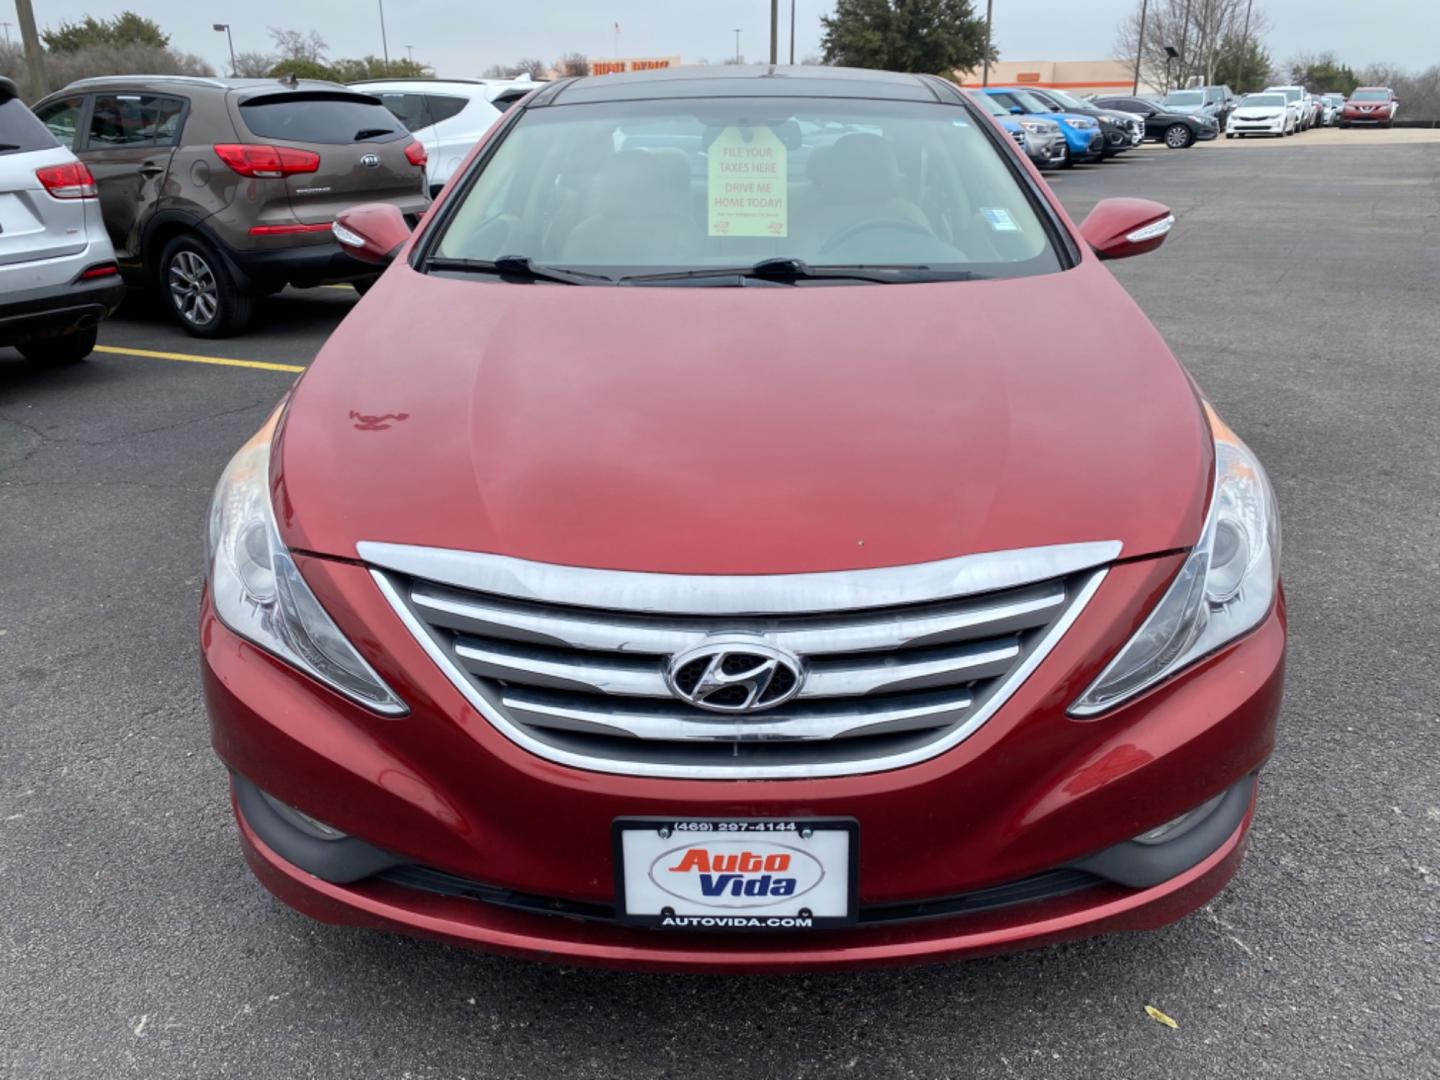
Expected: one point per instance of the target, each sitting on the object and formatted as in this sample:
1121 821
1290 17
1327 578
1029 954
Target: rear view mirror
1015 110
371 232
1120 228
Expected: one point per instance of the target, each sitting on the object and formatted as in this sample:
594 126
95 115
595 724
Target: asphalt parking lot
1300 287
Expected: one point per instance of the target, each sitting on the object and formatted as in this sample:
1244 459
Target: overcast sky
463 37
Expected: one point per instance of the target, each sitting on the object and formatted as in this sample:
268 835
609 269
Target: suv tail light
415 154
251 159
71 181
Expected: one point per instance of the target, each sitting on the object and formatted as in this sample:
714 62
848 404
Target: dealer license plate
736 874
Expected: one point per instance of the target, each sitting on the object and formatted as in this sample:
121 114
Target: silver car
58 276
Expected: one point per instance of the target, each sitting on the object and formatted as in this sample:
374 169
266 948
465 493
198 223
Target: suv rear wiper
371 133
793 270
514 266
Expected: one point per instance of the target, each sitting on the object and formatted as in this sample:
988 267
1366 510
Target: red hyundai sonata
687 556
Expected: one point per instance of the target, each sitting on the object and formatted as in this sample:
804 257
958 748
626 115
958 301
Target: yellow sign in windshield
747 189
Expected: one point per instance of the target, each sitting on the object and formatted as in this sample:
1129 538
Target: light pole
384 42
1244 52
774 32
985 74
737 44
410 52
792 33
1139 47
226 27
1171 53
7 26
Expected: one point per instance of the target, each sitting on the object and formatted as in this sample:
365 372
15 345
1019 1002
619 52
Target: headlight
1036 127
258 591
1224 589
1082 123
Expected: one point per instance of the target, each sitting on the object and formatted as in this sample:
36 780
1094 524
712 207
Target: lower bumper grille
1043 886
855 688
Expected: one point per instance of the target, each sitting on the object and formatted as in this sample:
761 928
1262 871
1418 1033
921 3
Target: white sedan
1261 114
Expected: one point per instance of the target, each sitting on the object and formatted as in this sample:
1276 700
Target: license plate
736 874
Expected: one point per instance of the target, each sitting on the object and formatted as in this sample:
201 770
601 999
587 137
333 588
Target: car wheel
1229 134
1178 137
200 290
1068 160
66 349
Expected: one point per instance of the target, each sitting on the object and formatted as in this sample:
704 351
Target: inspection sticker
999 219
747 188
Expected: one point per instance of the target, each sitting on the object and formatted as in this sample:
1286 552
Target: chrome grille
882 684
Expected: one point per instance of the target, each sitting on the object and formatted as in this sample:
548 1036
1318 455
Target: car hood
743 430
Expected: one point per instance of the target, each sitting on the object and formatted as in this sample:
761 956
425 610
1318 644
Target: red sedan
684 557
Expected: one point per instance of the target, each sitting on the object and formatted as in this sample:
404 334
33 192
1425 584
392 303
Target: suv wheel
1178 137
66 349
200 290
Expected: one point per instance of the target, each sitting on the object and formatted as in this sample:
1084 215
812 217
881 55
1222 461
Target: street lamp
737 44
1171 53
384 41
226 27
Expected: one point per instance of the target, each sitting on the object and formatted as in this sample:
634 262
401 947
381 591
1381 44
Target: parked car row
212 191
1278 111
1058 130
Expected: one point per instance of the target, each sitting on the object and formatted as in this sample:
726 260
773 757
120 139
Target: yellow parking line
219 361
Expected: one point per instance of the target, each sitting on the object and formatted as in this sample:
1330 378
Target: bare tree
299 45
536 69
573 64
1418 91
1198 30
254 65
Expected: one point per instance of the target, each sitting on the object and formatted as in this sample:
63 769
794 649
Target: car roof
476 87
740 80
243 87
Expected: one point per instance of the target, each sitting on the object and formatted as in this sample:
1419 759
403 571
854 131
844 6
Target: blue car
1084 141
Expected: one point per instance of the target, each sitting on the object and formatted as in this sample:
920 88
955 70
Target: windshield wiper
790 270
514 266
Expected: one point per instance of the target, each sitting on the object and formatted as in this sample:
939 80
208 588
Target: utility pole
985 74
792 33
1182 79
774 32
384 41
1139 48
34 58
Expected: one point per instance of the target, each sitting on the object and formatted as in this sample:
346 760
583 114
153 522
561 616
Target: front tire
68 348
1178 137
200 291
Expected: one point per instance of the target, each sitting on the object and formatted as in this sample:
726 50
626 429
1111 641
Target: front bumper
1030 793
50 311
1275 126
1046 152
1355 117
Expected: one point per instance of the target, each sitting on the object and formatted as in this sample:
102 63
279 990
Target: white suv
447 115
58 276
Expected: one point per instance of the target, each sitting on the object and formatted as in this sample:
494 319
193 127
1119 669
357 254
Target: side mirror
1119 228
1015 110
371 232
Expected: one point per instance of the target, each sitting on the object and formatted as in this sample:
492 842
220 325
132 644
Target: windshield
1370 95
1257 101
990 105
622 188
1185 97
1070 101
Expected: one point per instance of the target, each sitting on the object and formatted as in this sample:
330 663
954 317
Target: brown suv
222 190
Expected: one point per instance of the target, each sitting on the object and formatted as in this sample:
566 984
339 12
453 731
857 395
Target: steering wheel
870 224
